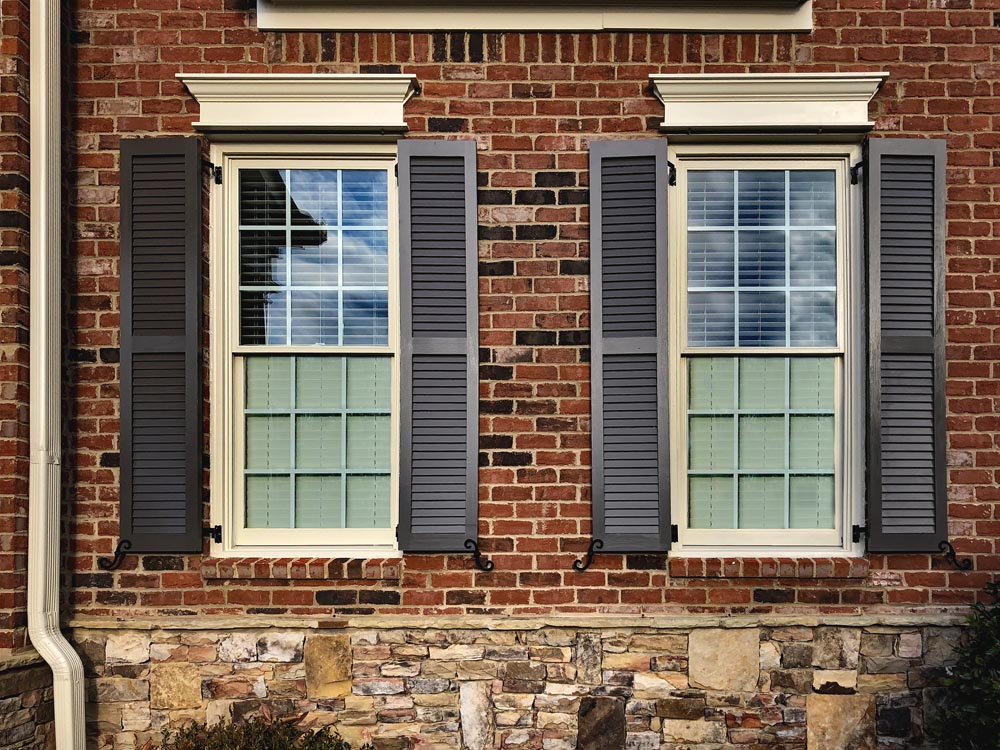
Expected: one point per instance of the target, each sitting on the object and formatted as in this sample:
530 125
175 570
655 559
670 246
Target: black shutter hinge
213 170
581 565
477 557
951 556
671 173
214 533
857 531
856 171
674 533
395 169
120 551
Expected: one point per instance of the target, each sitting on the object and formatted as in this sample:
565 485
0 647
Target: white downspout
45 373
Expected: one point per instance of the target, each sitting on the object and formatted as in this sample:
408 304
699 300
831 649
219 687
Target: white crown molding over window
720 102
317 103
536 15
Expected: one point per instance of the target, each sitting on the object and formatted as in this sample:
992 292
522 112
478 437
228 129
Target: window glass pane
711 502
710 441
319 502
319 273
315 317
315 259
762 258
314 197
813 319
269 382
367 501
811 197
319 382
333 433
811 502
762 443
762 319
262 197
762 383
711 316
318 442
368 382
811 383
761 197
268 440
813 258
710 198
811 443
710 259
368 443
762 502
268 502
711 383
781 422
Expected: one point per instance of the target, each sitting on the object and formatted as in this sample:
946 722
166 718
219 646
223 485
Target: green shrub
257 733
968 714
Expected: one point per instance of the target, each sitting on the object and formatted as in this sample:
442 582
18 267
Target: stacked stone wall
658 684
26 709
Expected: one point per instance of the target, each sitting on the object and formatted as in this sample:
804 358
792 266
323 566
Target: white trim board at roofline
720 102
549 15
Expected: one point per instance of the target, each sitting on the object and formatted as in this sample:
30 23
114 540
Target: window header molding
729 102
530 15
317 103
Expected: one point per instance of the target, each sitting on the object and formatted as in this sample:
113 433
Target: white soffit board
292 102
779 101
543 15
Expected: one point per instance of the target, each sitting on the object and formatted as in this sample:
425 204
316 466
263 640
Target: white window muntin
848 440
228 354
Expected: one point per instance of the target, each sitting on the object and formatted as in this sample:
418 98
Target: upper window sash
708 287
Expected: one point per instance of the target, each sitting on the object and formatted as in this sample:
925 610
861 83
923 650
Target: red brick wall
13 321
534 102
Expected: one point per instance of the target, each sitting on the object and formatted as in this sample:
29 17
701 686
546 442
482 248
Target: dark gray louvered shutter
161 430
628 266
905 206
439 419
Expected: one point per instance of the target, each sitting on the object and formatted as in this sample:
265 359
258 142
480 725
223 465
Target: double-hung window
760 287
312 331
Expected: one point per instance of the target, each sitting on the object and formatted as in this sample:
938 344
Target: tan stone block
910 646
458 652
659 685
477 670
881 683
686 731
445 669
328 665
770 656
435 700
824 680
840 722
659 644
724 659
174 685
631 661
127 648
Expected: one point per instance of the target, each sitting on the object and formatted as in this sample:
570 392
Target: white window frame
226 376
849 397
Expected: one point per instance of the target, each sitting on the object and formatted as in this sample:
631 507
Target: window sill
768 567
300 569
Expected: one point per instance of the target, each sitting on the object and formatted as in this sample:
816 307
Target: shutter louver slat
628 357
439 302
906 468
160 352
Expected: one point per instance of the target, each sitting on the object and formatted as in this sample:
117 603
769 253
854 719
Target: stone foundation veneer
593 683
26 703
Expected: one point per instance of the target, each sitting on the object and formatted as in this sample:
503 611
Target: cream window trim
225 351
732 102
849 397
522 15
317 103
